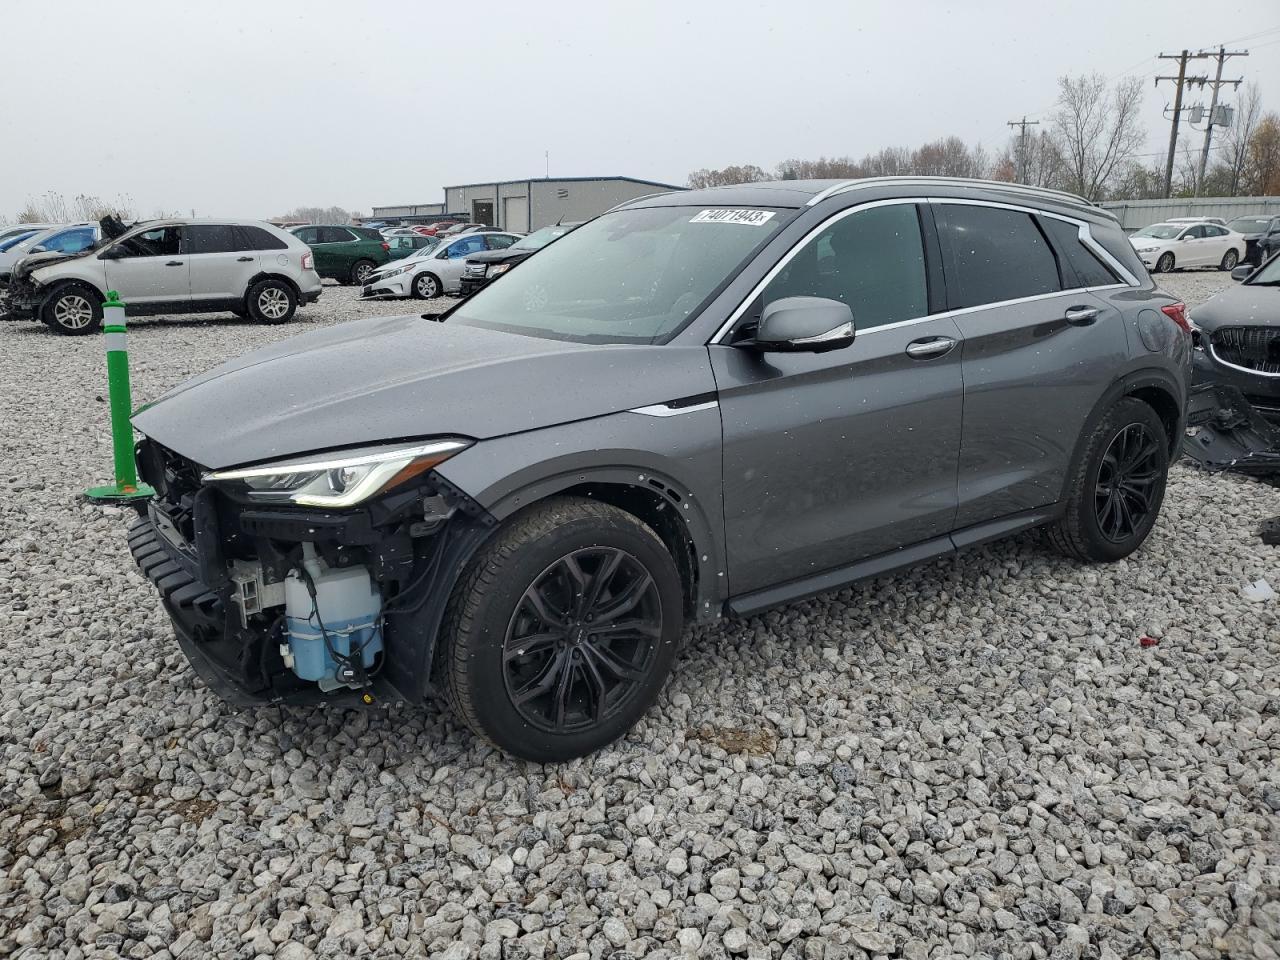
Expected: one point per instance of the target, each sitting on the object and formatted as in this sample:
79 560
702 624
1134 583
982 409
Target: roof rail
847 185
647 196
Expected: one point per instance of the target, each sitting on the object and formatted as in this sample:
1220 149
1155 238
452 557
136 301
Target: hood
34 261
498 256
385 379
1244 304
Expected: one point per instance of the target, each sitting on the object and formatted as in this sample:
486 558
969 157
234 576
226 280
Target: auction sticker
752 218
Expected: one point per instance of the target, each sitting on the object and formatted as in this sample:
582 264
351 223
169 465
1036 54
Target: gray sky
250 109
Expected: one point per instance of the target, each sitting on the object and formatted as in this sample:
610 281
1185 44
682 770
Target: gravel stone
975 758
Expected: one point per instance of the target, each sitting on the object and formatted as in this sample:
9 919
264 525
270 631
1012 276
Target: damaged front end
1225 432
286 585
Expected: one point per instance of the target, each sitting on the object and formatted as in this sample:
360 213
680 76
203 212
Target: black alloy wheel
582 640
1130 474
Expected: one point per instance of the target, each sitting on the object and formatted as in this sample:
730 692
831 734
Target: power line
1022 144
1180 81
1222 56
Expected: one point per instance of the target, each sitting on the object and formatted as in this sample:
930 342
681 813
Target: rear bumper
311 296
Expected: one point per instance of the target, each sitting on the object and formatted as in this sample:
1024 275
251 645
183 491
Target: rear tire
1164 264
1118 486
74 309
271 301
1229 260
560 634
360 271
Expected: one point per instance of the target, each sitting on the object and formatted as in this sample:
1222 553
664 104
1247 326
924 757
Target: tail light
306 261
386 246
1177 312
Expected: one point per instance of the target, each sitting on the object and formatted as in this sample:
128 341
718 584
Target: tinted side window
995 255
308 234
873 260
499 241
1215 231
334 235
367 233
209 238
255 238
1080 267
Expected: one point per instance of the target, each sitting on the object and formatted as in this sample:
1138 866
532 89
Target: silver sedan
434 271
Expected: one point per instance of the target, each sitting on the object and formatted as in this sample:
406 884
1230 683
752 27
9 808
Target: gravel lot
973 759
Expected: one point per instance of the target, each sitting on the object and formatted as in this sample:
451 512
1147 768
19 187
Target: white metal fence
1136 214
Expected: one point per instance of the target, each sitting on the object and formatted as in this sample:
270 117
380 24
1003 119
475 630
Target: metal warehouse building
523 205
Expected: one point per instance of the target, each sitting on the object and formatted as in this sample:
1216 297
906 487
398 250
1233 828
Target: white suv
248 267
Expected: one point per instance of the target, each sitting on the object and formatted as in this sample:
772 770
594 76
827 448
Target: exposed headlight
397 271
341 479
499 268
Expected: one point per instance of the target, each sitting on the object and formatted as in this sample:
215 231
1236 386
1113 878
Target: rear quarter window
255 238
1080 266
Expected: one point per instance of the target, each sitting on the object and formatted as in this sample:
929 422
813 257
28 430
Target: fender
1128 383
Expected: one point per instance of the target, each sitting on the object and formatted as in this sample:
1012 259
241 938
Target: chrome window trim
666 410
1235 366
1083 232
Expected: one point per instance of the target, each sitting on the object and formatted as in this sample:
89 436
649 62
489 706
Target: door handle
174 263
1081 316
930 347
244 259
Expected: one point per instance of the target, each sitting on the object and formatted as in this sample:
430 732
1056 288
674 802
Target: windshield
635 276
14 240
1161 231
540 238
1268 275
1249 224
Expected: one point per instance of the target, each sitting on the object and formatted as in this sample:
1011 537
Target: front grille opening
1255 348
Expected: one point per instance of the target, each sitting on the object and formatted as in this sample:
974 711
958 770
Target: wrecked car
1236 335
701 403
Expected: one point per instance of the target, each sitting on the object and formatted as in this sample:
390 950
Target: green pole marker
126 486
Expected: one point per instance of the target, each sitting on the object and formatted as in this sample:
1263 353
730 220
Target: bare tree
1096 130
53 207
318 215
1037 157
739 173
1235 139
824 168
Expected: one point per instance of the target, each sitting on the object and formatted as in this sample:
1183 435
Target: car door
1038 354
149 267
451 261
1192 247
221 263
831 458
1221 241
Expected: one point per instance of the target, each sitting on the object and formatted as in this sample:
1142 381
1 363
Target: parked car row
60 275
435 270
1261 237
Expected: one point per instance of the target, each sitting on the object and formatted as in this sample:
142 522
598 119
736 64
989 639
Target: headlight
340 479
396 272
499 268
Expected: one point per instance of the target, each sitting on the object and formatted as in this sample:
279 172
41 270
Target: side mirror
1242 271
804 325
1185 236
111 253
39 248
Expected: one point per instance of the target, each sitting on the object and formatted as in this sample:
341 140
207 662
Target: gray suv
699 404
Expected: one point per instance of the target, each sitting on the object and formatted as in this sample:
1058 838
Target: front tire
74 309
1165 263
1229 260
561 633
426 286
1118 486
271 301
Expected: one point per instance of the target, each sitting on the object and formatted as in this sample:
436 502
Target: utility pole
1022 144
1180 80
1222 55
